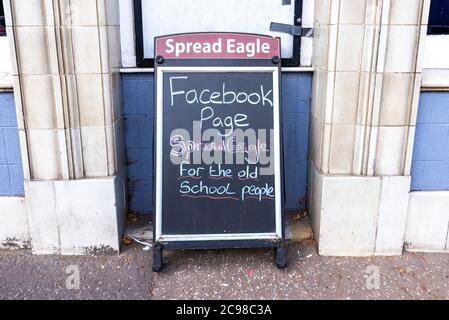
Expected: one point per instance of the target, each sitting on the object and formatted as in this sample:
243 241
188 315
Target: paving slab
126 276
251 274
225 274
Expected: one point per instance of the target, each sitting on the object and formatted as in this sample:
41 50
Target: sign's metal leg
281 256
157 257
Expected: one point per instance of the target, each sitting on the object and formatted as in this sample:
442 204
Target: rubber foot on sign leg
157 258
281 257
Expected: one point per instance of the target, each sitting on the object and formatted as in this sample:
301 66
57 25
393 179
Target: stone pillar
67 86
365 97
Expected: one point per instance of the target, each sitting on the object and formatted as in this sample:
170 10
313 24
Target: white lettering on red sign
210 45
231 46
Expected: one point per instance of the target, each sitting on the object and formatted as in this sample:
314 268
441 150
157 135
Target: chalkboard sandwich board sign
218 157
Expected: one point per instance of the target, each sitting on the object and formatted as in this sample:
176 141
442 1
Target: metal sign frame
222 240
159 234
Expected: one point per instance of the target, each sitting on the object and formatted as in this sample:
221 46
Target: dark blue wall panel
138 108
11 170
430 165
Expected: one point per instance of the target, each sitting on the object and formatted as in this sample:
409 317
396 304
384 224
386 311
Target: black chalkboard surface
218 155
216 198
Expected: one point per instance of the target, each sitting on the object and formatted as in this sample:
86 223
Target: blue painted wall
138 108
11 171
430 165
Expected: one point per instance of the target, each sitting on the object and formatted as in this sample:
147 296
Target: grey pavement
224 274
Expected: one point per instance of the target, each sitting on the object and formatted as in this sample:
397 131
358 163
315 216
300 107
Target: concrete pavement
223 274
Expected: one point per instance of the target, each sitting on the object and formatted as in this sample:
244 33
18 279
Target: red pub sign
217 46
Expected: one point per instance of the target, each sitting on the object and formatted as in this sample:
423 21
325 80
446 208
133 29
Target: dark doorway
439 17
2 20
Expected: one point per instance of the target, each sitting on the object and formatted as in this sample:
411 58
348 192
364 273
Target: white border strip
277 150
435 79
6 82
212 237
435 74
151 70
127 37
436 52
159 159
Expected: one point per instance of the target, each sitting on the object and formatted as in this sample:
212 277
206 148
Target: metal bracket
307 32
291 29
